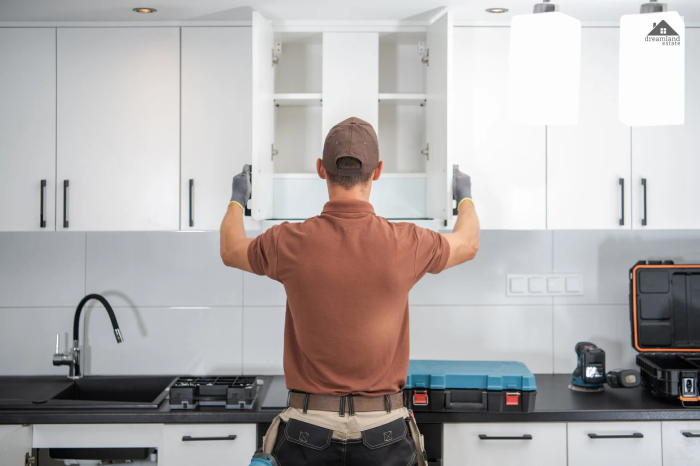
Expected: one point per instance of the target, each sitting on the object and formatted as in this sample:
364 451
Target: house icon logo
664 33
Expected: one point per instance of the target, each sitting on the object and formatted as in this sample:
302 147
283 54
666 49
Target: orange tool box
665 320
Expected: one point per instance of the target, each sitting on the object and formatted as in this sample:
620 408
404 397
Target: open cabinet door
15 445
263 119
439 88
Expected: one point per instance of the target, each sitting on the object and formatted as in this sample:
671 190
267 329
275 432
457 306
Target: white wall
182 311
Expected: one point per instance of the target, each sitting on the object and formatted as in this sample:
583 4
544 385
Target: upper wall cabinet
320 79
589 164
27 128
118 162
506 161
666 159
216 125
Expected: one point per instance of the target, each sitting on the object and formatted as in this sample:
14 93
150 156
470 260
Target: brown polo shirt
347 274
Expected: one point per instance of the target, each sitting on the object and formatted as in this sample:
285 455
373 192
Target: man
347 274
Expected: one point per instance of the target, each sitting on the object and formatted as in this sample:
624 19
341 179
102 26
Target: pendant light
652 67
544 67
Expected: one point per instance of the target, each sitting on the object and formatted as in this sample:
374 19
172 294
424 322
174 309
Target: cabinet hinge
276 52
29 459
273 152
426 58
426 152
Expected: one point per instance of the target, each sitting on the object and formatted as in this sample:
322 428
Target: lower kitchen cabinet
681 442
200 444
521 444
15 444
97 436
615 443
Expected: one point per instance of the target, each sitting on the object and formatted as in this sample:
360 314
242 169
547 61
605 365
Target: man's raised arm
464 239
234 244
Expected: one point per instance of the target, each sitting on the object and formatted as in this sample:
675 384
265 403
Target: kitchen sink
93 392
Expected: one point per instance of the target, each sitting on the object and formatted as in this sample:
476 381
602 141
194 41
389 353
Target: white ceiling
314 10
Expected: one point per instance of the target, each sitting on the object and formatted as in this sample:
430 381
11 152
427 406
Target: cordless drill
590 376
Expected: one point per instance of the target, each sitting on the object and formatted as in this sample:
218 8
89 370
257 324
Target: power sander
589 375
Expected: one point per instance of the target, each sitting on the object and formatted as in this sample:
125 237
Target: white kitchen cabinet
614 443
118 123
216 125
524 444
589 164
97 436
666 159
27 129
15 444
219 444
681 443
506 161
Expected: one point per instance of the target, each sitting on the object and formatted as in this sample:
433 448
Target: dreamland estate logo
665 34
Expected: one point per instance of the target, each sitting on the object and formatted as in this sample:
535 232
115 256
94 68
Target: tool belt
350 404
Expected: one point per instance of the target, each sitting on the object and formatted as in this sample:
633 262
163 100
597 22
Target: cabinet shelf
298 99
401 99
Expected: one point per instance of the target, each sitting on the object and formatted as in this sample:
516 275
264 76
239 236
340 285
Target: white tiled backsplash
181 311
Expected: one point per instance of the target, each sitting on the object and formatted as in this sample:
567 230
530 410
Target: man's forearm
234 244
464 239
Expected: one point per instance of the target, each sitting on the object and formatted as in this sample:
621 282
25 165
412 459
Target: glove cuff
466 199
238 204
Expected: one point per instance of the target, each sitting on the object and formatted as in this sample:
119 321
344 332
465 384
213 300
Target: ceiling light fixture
652 67
497 10
544 67
145 10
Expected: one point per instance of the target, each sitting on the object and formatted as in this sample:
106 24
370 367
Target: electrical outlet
569 284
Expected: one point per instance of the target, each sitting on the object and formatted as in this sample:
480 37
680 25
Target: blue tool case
463 386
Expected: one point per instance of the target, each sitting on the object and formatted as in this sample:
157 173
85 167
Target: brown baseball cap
351 138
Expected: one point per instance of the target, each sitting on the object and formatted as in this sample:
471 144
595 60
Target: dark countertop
555 403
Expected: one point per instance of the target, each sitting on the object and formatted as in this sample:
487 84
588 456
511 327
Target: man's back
347 274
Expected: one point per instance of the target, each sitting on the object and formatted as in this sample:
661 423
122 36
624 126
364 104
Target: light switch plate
568 284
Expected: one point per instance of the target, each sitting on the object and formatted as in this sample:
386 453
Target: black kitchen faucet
72 358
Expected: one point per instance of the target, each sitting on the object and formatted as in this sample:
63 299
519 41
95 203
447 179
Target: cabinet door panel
464 445
208 444
506 161
263 118
610 451
216 124
439 80
27 127
15 443
681 443
119 128
667 157
585 162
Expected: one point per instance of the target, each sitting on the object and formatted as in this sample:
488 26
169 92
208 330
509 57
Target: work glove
241 188
461 186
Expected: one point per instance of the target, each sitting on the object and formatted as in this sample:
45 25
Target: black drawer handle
188 438
622 196
644 185
65 203
523 437
690 435
635 435
191 203
42 220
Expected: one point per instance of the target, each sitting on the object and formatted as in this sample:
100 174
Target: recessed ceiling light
497 10
145 10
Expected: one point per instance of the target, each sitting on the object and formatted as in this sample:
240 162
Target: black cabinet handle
191 203
622 197
188 438
690 435
65 203
644 185
42 220
522 437
635 435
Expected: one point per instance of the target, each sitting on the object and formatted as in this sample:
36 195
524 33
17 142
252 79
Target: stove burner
229 391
